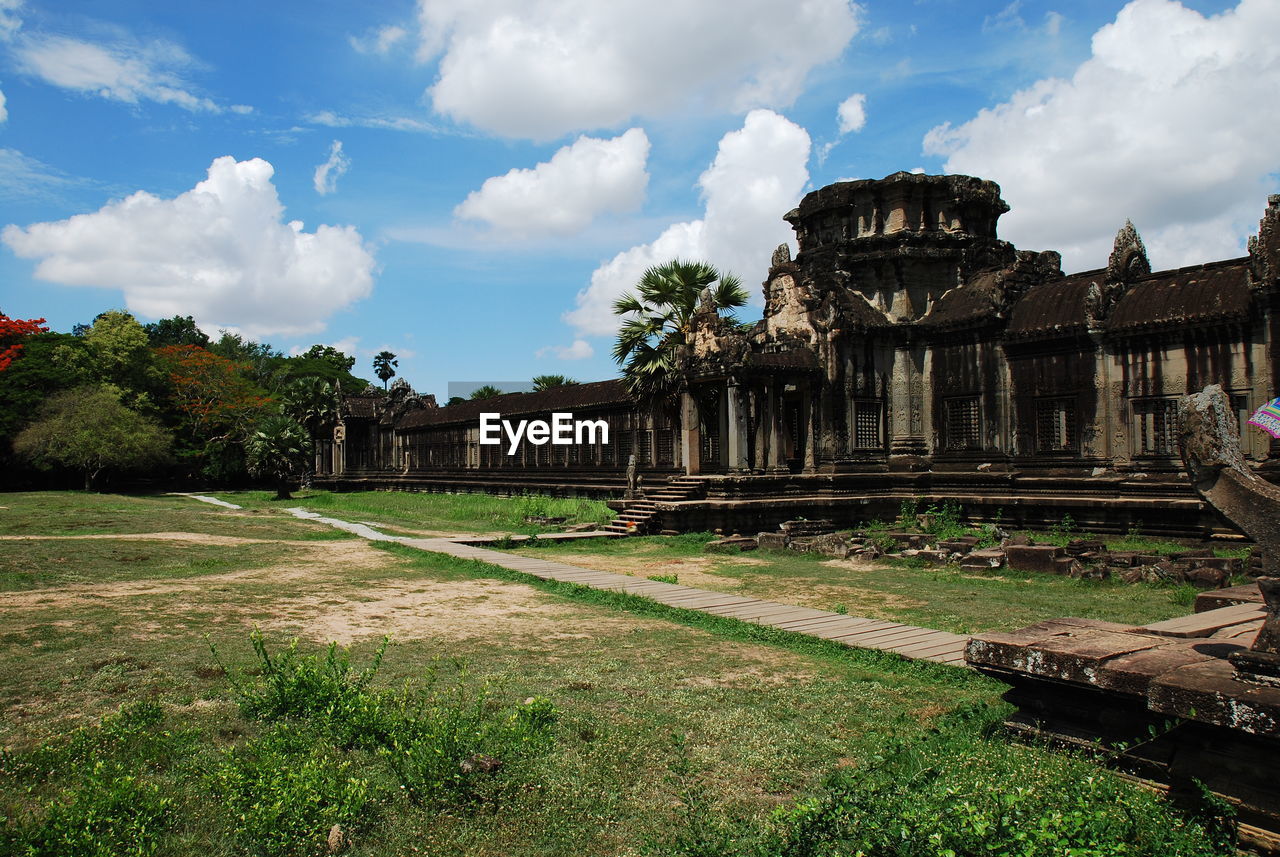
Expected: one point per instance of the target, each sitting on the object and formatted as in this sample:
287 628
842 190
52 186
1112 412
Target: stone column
690 435
736 435
906 402
811 414
775 416
760 427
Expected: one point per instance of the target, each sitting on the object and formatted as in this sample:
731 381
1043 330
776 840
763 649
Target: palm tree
279 448
488 391
550 382
384 364
658 319
311 400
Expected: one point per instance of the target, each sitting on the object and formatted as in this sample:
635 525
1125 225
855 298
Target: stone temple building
906 352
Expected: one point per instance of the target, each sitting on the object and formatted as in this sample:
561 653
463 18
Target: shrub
286 790
664 578
957 793
96 787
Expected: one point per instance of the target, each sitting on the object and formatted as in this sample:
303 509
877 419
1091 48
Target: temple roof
1218 291
1054 307
574 396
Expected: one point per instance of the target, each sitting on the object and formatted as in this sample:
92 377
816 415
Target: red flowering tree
213 395
12 332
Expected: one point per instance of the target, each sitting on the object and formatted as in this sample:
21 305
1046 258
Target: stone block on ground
1033 557
1123 559
962 545
771 541
1208 577
801 527
732 544
1229 564
1249 593
983 559
1076 547
908 540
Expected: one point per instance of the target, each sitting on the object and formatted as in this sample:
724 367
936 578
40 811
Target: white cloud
1162 124
758 175
380 41
327 174
124 71
579 350
562 196
25 177
220 252
540 69
391 123
4 113
852 113
9 20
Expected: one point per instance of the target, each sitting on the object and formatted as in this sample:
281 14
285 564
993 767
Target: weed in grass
957 792
841 609
286 791
98 788
664 578
1184 594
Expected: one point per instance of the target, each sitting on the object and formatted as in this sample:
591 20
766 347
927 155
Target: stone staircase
638 516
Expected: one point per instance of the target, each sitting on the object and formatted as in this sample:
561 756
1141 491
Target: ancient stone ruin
904 351
1186 700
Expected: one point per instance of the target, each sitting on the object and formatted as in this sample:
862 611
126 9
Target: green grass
227 755
74 513
404 512
946 598
40 563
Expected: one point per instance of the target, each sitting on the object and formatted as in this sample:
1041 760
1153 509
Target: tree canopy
657 319
488 391
88 430
550 382
279 449
384 366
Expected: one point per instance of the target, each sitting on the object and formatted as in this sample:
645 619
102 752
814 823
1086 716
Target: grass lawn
646 731
946 598
423 514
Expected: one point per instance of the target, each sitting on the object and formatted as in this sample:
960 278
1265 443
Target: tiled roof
1218 291
574 396
1054 307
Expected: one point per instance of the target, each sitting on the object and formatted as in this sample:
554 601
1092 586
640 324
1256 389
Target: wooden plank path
906 640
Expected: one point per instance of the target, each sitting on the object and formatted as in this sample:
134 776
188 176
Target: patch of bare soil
453 610
194 538
749 665
320 560
697 571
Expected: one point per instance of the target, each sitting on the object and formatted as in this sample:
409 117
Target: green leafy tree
179 330
384 366
48 363
122 355
550 382
488 391
657 319
279 449
311 401
88 430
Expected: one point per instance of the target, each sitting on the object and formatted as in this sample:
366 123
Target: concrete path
906 640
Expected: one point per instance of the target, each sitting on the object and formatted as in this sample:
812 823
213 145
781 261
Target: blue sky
498 170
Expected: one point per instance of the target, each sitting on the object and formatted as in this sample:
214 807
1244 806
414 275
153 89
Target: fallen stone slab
1249 593
1076 547
984 559
731 544
1034 557
771 541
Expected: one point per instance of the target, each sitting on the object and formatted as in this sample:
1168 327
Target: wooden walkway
906 640
855 631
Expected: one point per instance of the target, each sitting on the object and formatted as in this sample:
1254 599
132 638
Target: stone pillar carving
736 434
760 427
906 397
690 434
811 414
